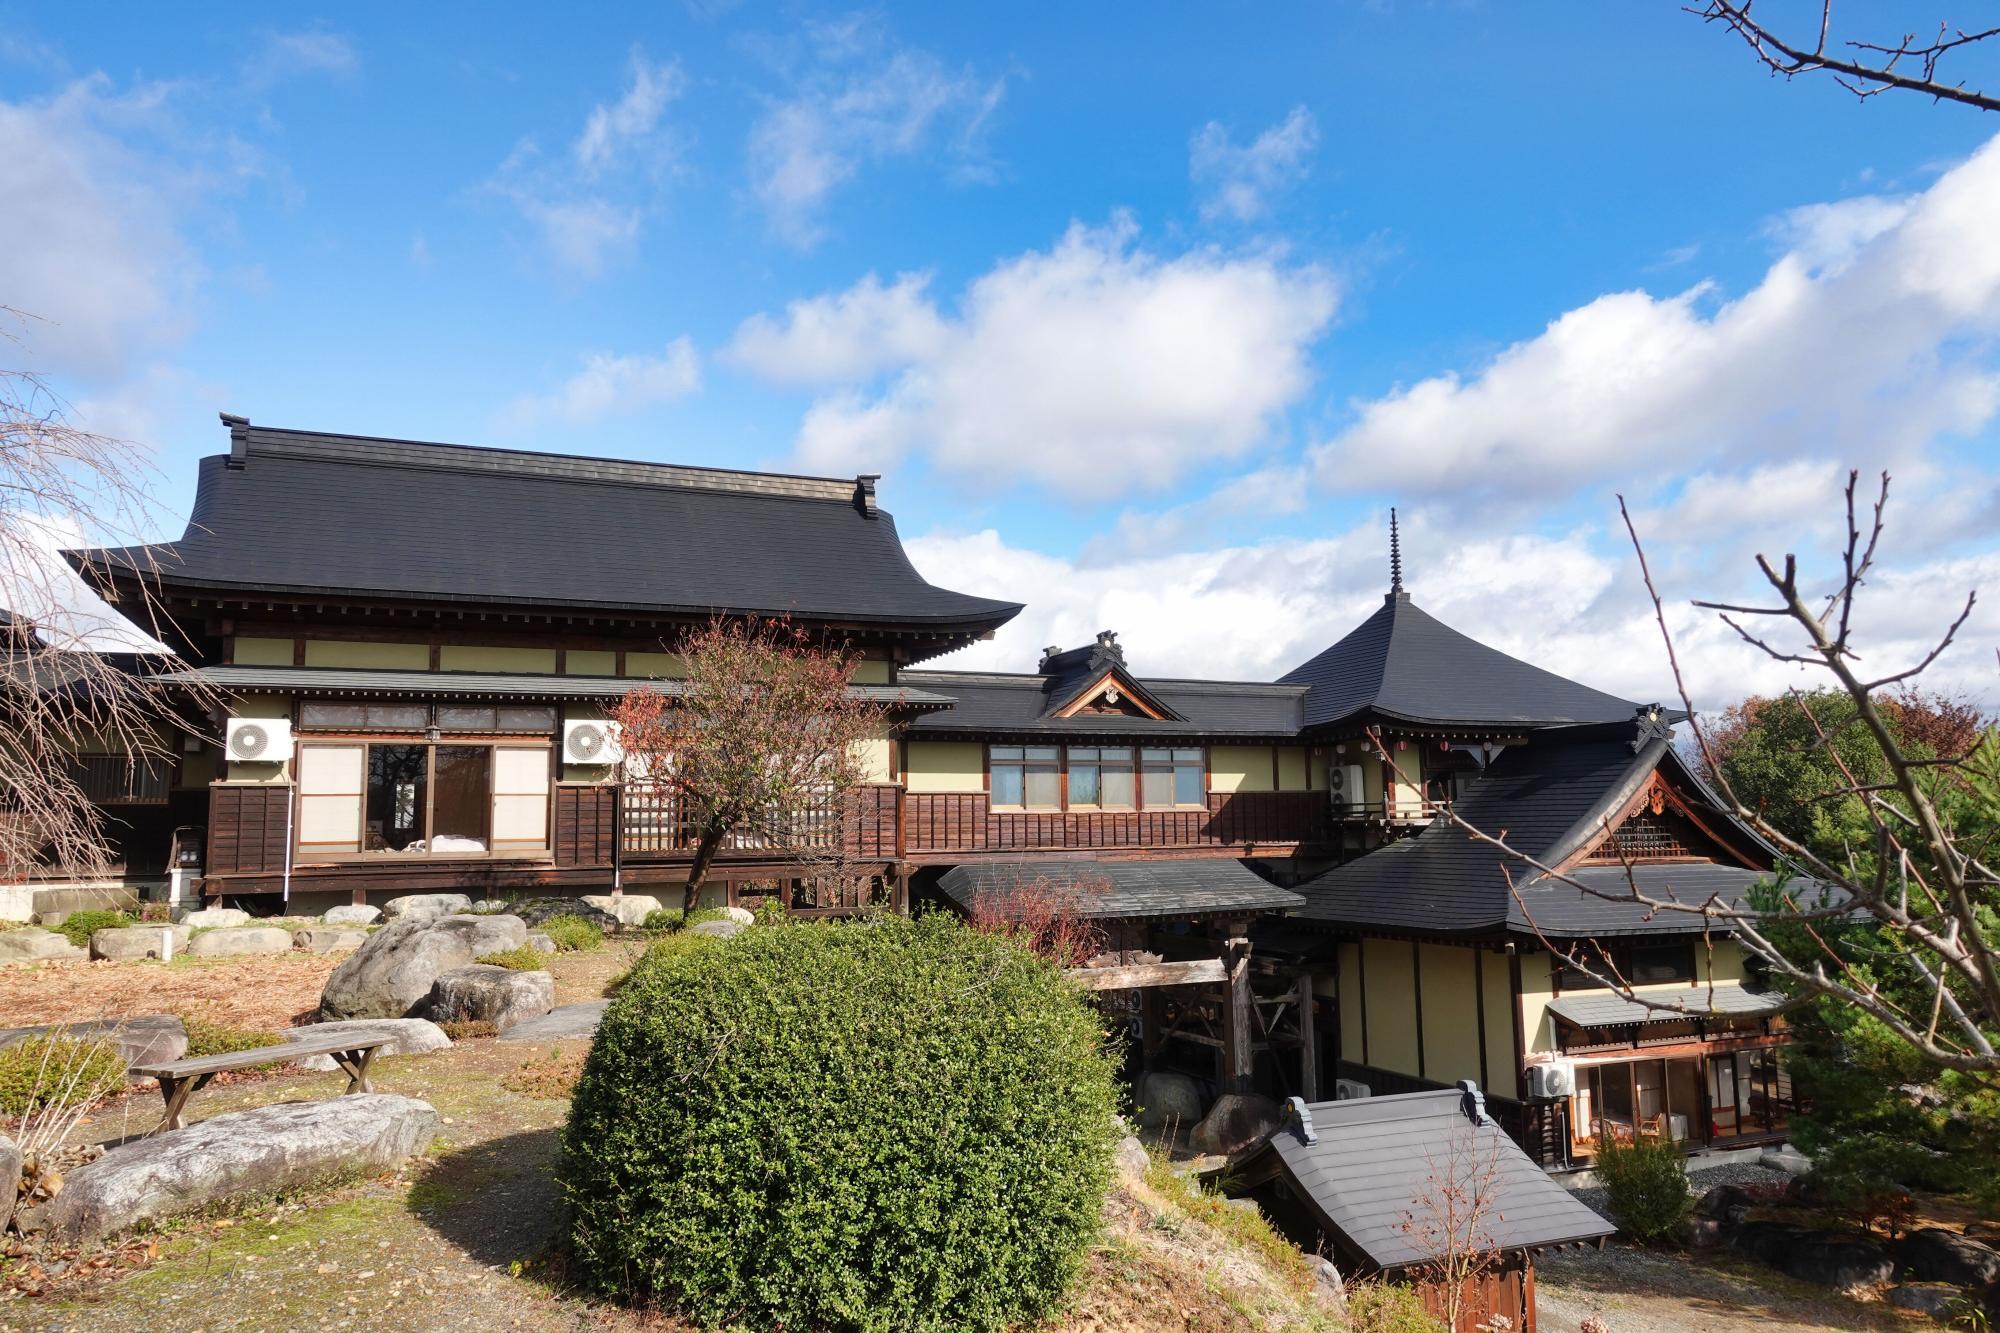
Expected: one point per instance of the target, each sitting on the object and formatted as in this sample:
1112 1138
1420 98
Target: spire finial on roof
1395 557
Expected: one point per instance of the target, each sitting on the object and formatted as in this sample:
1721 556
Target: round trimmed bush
869 1125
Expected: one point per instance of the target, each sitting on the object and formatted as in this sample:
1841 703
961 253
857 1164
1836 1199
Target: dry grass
550 1076
269 992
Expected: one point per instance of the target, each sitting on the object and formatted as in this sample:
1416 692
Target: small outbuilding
1423 1187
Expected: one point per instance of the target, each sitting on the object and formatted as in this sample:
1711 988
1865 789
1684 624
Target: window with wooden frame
1101 777
1025 777
123 779
416 798
1639 963
1172 777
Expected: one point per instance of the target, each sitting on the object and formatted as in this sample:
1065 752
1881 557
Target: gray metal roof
1606 1008
303 512
1001 702
1108 890
1377 1159
355 682
1406 664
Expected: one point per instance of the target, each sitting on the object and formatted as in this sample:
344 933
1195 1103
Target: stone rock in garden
496 995
392 974
569 1020
1939 1300
30 944
1238 1120
329 939
1725 1203
629 909
722 928
237 941
352 914
409 1036
1167 1098
1129 1158
426 905
141 1039
124 943
1328 1279
537 910
1826 1259
540 943
241 1155
1785 1158
10 1180
1936 1255
1707 1233
740 914
207 918
1983 1230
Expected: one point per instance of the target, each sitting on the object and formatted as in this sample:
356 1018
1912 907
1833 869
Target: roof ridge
248 441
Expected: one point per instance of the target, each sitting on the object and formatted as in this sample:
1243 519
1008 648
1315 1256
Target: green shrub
881 1125
206 1037
40 1070
672 918
573 934
78 927
667 946
1379 1306
520 958
1646 1187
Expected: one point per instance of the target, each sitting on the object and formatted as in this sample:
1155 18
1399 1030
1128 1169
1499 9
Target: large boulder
392 974
538 910
1167 1098
352 914
210 918
1933 1254
491 907
239 941
569 1020
427 906
408 1036
141 1039
242 1155
721 928
628 909
31 944
740 914
1728 1204
496 995
1843 1262
1129 1158
1939 1300
120 944
329 939
10 1180
1237 1121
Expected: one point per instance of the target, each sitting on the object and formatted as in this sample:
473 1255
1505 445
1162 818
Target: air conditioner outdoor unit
1548 1082
1345 780
1348 1089
259 740
591 741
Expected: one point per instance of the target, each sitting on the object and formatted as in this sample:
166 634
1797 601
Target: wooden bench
181 1079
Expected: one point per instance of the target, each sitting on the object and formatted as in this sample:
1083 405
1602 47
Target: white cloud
1094 367
1238 182
1866 341
589 205
612 384
860 99
283 55
843 336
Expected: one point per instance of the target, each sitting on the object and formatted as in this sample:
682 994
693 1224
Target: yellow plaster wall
1538 988
1392 1010
590 662
1291 768
1500 1059
871 671
657 665
518 661
1234 768
1451 1013
938 766
1348 1003
875 756
262 652
368 656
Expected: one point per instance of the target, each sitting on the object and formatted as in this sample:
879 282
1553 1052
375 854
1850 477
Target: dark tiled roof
1549 797
303 512
1377 1158
992 701
478 684
1607 1008
1402 663
1107 890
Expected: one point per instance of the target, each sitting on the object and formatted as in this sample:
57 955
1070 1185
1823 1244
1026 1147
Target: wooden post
1238 1060
1308 1041
1152 1026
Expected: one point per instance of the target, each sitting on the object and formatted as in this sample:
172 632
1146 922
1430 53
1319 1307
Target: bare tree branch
1855 72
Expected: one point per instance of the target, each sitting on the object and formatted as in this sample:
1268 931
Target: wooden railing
966 822
655 829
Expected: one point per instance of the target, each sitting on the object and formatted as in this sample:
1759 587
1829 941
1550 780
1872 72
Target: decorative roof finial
1395 557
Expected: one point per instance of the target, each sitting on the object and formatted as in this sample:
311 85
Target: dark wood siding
965 822
246 828
586 824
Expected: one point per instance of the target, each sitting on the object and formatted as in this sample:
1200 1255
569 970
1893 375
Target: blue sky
1148 314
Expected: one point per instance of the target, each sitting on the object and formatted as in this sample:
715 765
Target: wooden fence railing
655 829
966 822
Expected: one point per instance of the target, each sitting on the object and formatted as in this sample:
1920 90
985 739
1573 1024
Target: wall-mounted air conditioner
591 741
1548 1082
259 740
1349 1089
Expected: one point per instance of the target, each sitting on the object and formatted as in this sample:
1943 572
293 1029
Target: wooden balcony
940 827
